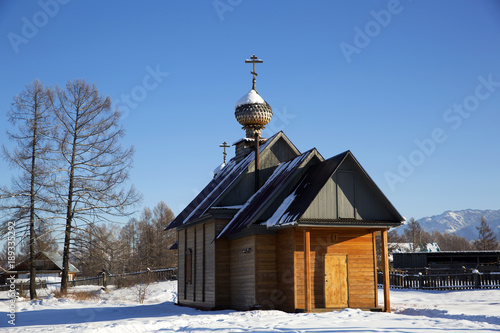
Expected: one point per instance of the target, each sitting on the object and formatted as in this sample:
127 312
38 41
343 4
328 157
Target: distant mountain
462 222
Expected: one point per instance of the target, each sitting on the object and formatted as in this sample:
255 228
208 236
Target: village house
277 228
48 266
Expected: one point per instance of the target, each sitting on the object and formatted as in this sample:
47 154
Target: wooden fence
121 280
458 281
127 279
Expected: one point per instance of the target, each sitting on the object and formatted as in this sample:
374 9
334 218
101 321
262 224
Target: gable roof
219 185
254 207
52 257
299 200
305 192
293 183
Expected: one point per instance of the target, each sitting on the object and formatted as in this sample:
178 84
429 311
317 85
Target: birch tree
27 201
94 166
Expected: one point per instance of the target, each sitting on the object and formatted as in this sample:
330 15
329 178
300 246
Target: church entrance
336 286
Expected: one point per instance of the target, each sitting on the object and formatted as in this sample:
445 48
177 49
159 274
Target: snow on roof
252 97
281 218
408 247
219 169
217 186
227 207
252 208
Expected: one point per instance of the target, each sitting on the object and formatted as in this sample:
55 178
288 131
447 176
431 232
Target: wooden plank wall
222 268
242 273
266 292
357 244
201 292
285 285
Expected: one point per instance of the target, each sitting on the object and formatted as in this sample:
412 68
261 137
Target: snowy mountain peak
462 222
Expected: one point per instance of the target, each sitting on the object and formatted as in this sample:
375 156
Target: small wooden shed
303 240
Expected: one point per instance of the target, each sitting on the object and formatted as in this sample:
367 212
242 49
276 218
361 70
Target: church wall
196 272
222 268
284 297
266 292
242 272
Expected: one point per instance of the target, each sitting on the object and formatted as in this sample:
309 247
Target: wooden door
336 286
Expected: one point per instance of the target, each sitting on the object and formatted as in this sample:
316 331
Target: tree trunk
32 212
69 217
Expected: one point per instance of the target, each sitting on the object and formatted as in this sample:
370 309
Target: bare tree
146 240
44 240
162 216
94 167
128 244
152 244
97 248
28 200
413 234
486 238
450 241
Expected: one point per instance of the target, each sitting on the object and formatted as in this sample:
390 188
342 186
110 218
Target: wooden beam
374 241
307 269
385 268
195 253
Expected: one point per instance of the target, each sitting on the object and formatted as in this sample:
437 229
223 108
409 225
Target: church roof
254 207
215 188
295 205
287 193
300 199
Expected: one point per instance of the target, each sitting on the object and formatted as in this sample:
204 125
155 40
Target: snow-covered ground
119 311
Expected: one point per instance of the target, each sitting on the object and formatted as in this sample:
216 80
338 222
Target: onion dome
251 110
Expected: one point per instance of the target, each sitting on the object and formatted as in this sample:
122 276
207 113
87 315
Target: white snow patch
218 169
252 97
279 217
228 207
118 311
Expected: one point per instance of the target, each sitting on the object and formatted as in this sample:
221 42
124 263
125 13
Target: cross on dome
251 110
253 60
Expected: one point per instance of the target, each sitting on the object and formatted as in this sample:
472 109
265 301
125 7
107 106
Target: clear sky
412 88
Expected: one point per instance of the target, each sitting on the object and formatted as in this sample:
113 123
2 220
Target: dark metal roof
307 189
215 188
257 203
53 257
295 205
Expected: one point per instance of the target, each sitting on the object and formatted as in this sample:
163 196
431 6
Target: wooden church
277 228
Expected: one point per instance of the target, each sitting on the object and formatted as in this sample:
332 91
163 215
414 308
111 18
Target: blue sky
412 88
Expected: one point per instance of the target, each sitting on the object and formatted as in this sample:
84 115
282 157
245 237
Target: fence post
420 280
104 282
477 280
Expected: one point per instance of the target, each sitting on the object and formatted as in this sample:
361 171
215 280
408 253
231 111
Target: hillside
461 222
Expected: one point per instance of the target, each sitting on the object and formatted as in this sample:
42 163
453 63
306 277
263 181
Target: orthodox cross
254 60
224 145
